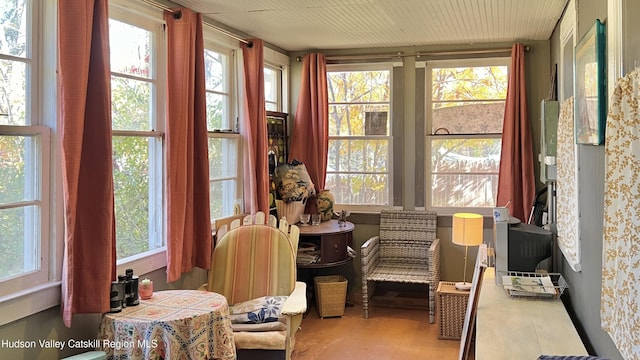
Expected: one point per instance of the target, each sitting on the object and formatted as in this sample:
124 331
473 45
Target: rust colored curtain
188 223
516 180
310 137
84 129
254 130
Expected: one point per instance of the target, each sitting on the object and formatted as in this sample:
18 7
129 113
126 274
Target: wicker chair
406 251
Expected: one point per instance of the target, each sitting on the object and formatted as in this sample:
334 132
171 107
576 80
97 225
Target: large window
137 120
465 110
358 165
25 149
224 140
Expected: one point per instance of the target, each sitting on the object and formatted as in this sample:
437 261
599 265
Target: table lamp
466 231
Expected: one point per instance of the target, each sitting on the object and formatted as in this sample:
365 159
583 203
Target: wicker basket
331 295
291 211
451 309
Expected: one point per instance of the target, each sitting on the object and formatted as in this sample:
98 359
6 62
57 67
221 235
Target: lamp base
463 285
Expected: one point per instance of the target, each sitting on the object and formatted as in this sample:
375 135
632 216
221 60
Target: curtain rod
178 15
417 54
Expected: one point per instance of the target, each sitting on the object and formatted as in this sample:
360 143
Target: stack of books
307 254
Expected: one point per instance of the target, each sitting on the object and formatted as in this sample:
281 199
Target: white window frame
278 88
369 208
40 291
230 199
279 62
149 18
470 62
567 42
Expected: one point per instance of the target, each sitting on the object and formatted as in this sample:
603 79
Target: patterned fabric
252 261
566 187
175 324
406 251
257 260
564 357
293 182
621 258
256 311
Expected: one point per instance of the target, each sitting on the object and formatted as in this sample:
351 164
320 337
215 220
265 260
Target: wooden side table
451 306
332 240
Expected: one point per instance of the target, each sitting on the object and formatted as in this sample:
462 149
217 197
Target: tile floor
388 334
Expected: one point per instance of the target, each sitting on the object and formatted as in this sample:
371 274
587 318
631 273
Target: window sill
28 302
144 263
39 298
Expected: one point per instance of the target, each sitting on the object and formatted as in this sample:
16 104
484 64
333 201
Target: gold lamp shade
466 230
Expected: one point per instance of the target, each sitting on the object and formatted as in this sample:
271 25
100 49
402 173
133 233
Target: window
224 140
358 165
137 55
465 113
272 88
24 146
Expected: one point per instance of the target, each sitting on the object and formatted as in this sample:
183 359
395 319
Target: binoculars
124 292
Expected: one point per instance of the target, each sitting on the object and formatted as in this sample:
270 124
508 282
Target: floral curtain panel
566 187
621 258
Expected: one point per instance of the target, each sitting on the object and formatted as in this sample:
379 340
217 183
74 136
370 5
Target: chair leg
432 303
365 298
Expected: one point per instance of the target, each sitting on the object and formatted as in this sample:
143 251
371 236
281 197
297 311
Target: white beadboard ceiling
295 25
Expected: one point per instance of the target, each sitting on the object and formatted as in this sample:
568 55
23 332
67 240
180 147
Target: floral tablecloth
173 324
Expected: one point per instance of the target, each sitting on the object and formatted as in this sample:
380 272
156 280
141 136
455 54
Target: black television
522 247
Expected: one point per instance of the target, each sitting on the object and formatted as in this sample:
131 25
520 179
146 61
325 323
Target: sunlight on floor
389 333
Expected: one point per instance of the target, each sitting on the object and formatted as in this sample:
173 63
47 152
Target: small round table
332 240
172 324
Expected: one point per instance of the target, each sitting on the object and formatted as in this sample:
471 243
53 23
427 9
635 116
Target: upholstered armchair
254 267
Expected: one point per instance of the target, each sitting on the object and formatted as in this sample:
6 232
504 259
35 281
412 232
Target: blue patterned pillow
570 357
257 311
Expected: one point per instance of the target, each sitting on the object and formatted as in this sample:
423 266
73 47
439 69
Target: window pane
17 169
223 157
359 86
222 198
468 117
135 213
465 172
270 86
130 48
465 155
469 83
218 112
215 67
13 98
271 106
223 174
358 156
130 104
371 189
19 243
13 22
358 120
464 190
